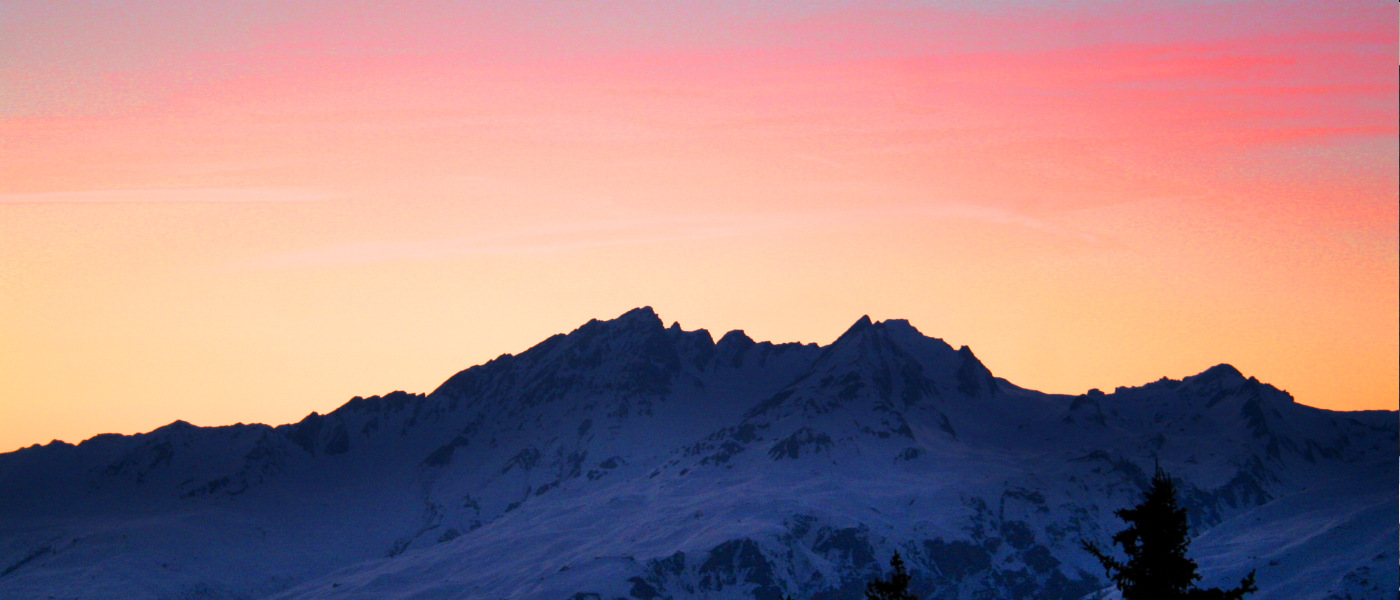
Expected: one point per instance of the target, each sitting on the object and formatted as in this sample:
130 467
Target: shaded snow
631 460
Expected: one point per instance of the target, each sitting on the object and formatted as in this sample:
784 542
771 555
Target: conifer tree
894 588
1155 542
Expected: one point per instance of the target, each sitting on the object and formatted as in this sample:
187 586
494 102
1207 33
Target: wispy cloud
177 195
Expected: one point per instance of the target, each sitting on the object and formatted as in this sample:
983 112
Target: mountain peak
855 329
899 327
772 469
1223 370
974 378
899 324
1221 373
176 425
641 313
738 337
641 319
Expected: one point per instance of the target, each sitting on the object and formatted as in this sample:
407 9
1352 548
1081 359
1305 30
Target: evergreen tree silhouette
894 588
1155 542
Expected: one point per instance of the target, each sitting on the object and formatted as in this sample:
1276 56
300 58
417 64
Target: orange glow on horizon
223 228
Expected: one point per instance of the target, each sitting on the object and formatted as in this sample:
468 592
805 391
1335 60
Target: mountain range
631 460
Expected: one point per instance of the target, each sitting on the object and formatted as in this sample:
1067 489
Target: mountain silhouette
628 459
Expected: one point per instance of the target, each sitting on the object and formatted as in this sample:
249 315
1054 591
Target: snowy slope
631 460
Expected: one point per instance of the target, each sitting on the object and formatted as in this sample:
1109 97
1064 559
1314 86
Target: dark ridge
898 325
101 440
860 325
1219 373
28 558
852 335
974 378
177 425
643 316
395 400
304 433
732 347
579 344
696 346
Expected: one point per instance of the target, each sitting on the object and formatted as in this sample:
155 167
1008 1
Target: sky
246 211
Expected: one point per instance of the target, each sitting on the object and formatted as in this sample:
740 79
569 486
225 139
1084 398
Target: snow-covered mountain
630 460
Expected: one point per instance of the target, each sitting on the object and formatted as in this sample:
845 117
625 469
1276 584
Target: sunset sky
227 211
